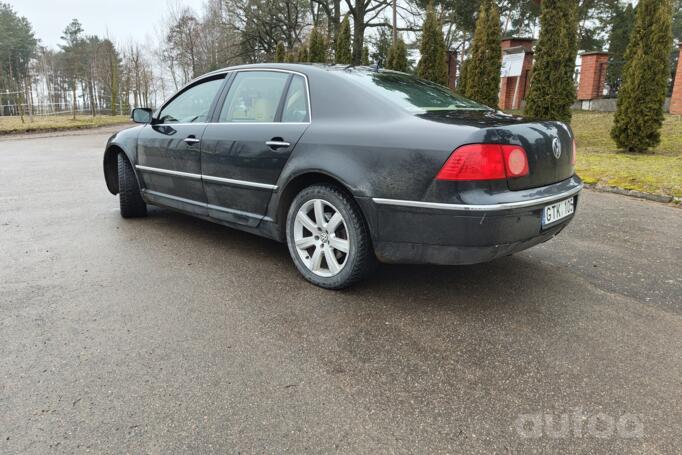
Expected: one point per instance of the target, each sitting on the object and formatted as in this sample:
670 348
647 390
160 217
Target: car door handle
191 140
277 144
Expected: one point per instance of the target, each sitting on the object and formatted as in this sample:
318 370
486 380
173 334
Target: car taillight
574 155
515 160
485 162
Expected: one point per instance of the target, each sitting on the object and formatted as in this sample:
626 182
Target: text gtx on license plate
558 211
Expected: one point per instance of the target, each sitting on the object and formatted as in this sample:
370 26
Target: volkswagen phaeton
348 165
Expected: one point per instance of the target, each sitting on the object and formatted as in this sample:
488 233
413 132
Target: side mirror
141 115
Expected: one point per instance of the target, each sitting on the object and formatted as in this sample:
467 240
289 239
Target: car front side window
254 97
192 105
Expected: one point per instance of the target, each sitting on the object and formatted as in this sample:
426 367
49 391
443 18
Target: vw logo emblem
556 148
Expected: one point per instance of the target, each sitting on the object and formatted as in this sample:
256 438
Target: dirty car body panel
385 155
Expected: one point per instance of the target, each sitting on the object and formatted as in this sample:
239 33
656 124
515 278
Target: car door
169 149
259 120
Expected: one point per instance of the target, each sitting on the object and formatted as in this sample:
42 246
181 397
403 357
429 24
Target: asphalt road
174 335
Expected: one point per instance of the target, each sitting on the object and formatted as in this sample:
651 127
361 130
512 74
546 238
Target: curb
636 194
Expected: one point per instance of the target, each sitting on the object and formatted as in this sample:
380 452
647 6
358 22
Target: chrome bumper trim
480 208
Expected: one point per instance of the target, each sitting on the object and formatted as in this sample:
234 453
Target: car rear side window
192 105
296 104
254 97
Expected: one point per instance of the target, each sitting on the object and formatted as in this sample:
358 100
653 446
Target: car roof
304 68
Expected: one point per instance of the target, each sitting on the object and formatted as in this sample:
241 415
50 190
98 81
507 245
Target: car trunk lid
548 145
549 148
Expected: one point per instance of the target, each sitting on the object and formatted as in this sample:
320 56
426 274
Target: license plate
555 212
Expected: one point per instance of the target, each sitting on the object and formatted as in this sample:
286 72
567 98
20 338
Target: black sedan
348 165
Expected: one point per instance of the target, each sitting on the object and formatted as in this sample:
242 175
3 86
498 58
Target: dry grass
9 125
599 161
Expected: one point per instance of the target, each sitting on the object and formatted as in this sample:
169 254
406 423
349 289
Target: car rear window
411 93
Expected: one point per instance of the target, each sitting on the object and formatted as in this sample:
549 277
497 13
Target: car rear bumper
418 232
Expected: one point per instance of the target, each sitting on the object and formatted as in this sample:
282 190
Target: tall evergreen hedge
318 47
483 74
343 55
302 54
621 27
432 65
397 57
552 90
280 53
463 77
639 116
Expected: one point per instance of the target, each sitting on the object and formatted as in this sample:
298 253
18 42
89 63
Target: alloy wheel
321 237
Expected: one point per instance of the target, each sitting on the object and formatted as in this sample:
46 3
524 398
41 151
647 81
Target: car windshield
413 94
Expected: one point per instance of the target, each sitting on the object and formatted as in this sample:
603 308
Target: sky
121 20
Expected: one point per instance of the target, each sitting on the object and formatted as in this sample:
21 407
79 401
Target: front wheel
328 238
129 196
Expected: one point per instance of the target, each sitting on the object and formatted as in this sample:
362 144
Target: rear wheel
129 196
328 238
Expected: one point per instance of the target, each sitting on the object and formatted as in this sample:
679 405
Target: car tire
351 234
129 196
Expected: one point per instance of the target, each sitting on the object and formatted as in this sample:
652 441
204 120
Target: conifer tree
280 53
343 55
381 46
483 78
639 115
318 48
397 57
432 65
302 54
463 77
622 24
365 56
552 90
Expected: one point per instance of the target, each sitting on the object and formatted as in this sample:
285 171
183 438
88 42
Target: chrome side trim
208 178
266 186
157 170
479 208
226 72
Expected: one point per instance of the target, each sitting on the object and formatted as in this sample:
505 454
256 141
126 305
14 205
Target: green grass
600 162
9 125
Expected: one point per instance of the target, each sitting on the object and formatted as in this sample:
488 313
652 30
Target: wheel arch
297 183
110 164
